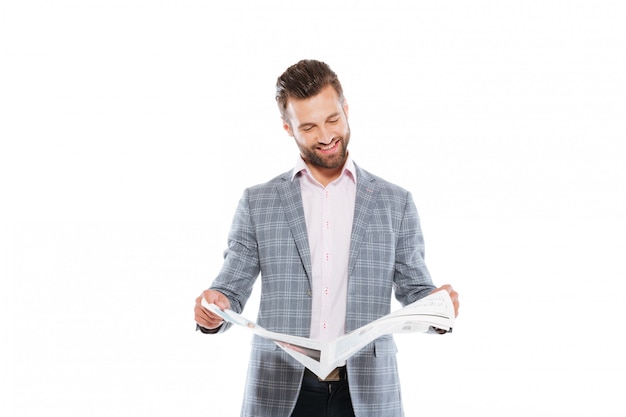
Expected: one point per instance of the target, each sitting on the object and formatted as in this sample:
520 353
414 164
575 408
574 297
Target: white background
129 130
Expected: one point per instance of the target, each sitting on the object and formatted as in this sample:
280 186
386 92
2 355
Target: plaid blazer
268 237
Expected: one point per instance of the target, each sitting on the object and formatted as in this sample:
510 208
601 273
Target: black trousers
323 399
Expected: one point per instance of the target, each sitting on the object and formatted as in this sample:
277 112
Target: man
331 242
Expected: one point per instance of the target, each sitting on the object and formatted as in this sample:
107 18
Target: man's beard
329 162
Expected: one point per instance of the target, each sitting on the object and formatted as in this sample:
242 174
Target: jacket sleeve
241 260
412 280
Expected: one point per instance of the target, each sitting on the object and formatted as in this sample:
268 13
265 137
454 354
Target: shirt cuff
438 330
207 331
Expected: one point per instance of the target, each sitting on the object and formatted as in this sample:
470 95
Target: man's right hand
204 317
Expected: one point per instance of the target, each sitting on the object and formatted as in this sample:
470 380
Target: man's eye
307 128
333 120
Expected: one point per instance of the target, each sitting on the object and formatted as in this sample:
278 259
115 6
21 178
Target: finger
454 296
208 321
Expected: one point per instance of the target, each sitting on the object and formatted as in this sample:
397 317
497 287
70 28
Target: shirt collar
348 168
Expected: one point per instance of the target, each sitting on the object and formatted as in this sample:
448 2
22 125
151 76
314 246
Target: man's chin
333 163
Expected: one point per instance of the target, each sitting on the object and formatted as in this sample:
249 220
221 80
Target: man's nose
326 137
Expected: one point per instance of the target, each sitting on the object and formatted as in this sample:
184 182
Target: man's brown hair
303 80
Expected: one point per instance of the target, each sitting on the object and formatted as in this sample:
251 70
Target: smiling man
319 125
332 244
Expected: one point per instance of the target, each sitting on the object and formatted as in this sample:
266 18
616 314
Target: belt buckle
333 376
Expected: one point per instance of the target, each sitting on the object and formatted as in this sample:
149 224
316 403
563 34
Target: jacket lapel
366 194
291 198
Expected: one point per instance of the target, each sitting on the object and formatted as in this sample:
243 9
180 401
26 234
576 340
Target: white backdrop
129 129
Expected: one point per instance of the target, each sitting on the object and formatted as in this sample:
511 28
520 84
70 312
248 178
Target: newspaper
435 310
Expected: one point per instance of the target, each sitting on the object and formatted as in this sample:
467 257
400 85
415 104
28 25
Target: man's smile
331 147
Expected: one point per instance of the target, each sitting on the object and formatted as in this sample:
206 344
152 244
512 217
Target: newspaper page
435 310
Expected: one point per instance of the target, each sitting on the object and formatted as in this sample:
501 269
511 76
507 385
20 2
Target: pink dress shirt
328 212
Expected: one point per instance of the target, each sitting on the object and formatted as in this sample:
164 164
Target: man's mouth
331 146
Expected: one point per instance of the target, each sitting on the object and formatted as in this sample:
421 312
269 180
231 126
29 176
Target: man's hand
204 317
454 296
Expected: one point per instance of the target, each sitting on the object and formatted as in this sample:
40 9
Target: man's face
319 125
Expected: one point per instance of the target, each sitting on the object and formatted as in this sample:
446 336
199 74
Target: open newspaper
435 310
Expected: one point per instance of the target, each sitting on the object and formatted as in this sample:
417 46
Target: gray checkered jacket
269 238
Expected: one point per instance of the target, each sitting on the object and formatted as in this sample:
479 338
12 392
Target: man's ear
345 107
287 127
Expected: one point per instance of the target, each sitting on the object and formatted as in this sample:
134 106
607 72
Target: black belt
337 374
